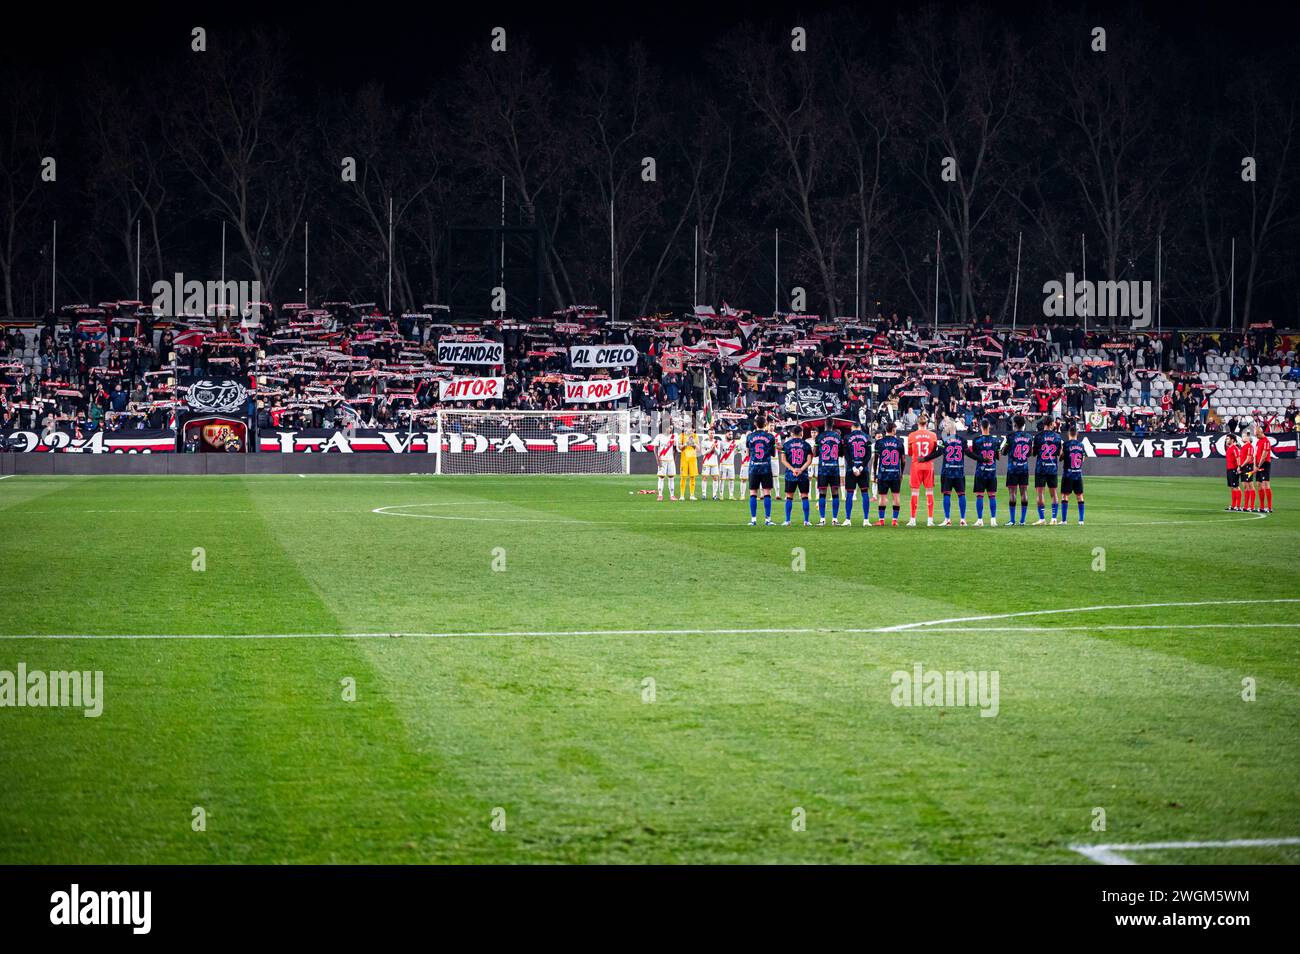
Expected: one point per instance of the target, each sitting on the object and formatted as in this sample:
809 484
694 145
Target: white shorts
667 466
710 470
728 471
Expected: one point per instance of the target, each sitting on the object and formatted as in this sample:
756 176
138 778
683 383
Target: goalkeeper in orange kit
920 444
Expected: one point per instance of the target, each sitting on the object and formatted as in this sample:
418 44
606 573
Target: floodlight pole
1083 248
390 254
54 267
306 242
223 266
857 275
937 234
1015 298
503 232
776 285
613 296
1160 278
695 269
1232 289
137 259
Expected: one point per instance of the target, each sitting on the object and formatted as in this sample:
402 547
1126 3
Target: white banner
471 352
472 389
596 390
602 356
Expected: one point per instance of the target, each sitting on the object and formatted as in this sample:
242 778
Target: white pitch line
1075 609
907 628
1110 854
387 512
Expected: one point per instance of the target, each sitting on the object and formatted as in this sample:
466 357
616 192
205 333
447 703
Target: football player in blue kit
830 447
1047 457
1072 481
796 458
889 470
857 474
984 449
760 444
1018 449
952 472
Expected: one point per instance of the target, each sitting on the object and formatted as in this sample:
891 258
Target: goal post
533 442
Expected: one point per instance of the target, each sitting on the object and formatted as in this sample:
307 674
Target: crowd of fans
117 366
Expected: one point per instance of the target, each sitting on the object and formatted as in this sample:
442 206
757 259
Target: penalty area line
1114 854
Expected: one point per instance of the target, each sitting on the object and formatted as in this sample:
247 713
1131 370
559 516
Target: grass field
772 685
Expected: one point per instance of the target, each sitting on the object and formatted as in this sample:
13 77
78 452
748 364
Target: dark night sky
405 45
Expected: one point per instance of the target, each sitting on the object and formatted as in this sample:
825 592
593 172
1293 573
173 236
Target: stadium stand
115 366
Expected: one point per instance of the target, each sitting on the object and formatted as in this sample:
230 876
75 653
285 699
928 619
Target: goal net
533 442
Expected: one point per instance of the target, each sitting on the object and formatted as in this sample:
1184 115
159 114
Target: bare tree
129 183
788 91
961 74
869 106
397 162
242 142
25 138
1263 131
513 127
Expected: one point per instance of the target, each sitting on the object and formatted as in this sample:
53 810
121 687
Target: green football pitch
557 669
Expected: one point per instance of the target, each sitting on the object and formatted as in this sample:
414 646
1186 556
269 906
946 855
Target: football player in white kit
709 447
664 446
728 451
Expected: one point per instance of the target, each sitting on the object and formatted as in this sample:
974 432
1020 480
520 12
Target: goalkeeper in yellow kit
689 443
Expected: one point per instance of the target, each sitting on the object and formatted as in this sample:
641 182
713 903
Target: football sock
805 509
821 506
661 486
848 506
1040 512
1024 510
914 499
961 505
979 507
753 506
929 504
1065 510
993 506
767 507
789 507
1053 509
881 509
1081 511
947 506
896 509
835 508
